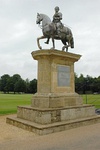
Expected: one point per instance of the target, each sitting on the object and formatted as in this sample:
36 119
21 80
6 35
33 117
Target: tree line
87 85
16 84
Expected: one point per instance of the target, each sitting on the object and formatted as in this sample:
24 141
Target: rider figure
57 21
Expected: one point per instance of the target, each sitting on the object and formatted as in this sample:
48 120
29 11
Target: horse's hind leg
65 45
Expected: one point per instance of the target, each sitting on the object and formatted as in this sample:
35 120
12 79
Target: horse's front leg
38 43
53 43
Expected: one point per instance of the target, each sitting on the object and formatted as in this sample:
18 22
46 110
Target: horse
50 31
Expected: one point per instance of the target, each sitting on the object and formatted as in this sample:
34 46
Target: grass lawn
92 99
9 102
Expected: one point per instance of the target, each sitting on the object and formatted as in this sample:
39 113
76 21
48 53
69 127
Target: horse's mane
46 17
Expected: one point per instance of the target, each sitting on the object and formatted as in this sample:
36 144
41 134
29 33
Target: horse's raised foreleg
38 43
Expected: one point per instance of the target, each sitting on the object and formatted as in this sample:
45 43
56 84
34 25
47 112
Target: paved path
82 138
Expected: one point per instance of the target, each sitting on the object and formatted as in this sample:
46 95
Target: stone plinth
55 71
56 100
55 107
55 79
52 115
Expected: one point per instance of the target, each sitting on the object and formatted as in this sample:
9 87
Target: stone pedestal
55 71
55 107
55 79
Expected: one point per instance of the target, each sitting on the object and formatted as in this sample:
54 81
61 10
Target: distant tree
10 84
27 85
20 86
16 84
80 84
33 86
76 83
96 85
98 80
16 77
0 83
3 83
89 83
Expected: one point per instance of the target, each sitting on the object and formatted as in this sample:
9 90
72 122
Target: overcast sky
18 34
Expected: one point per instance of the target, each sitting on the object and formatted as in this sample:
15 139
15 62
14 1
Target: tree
98 80
80 84
3 83
16 84
10 84
76 83
96 85
15 79
33 86
20 86
89 83
27 85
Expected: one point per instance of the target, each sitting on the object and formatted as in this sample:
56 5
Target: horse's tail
71 37
72 42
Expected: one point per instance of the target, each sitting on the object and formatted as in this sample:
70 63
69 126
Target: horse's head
44 18
39 18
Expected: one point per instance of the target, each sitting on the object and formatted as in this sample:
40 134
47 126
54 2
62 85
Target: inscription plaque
63 75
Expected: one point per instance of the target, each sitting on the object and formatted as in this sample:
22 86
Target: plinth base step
51 128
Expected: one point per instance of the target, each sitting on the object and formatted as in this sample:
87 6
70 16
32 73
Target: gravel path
9 132
82 138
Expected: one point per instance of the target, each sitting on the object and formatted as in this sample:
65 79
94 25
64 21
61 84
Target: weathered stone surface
52 100
48 63
51 128
46 116
55 107
54 69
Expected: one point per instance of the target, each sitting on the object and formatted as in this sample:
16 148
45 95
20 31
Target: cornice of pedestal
55 53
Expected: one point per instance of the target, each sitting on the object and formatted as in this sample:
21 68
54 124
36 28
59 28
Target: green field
92 99
9 102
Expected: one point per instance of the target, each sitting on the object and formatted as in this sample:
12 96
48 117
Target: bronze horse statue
49 31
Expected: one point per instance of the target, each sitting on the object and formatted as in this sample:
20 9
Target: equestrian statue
55 29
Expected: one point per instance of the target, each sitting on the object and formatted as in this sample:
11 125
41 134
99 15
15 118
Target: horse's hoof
46 42
40 47
52 48
63 48
66 49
